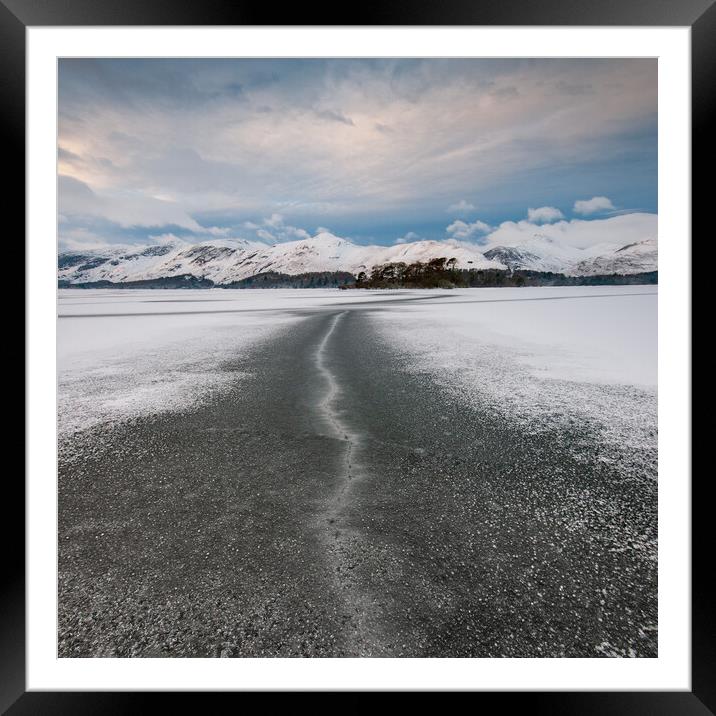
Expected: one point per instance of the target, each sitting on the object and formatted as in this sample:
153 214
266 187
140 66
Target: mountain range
225 261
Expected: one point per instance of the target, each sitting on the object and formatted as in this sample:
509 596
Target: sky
378 151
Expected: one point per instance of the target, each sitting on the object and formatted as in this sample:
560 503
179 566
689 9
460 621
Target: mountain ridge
225 261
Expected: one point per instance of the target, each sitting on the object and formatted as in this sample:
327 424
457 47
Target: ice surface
126 353
579 356
604 334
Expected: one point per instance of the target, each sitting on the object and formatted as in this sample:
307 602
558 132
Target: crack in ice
340 537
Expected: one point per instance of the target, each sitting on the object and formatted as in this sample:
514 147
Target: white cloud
218 230
76 198
593 205
579 233
236 156
334 116
544 215
80 239
278 231
274 221
462 207
463 231
410 236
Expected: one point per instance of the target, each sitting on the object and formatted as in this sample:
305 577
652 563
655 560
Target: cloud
126 209
218 230
80 239
579 233
505 93
594 205
334 116
385 129
278 231
461 207
274 221
65 155
364 144
463 231
544 215
410 236
573 89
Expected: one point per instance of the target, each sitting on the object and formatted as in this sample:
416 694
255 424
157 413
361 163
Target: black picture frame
700 15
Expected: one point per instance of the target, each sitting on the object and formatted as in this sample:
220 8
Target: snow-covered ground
125 353
122 354
548 357
539 355
604 334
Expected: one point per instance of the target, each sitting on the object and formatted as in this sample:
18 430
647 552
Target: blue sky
376 151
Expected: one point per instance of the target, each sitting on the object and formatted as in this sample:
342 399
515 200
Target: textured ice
579 355
126 353
584 357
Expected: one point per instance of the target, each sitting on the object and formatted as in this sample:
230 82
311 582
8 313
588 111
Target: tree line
437 273
443 273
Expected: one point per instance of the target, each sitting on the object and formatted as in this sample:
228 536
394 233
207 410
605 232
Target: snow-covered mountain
638 257
541 253
224 261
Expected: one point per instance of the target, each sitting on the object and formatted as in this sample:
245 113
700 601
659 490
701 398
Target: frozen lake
437 473
129 351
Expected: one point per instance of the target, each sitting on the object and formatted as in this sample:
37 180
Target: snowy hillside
632 258
541 253
224 261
